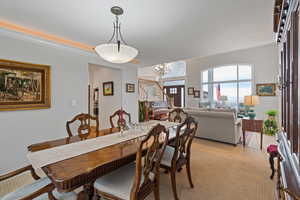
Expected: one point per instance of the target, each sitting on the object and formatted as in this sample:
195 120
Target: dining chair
177 115
120 115
137 180
82 124
175 158
40 189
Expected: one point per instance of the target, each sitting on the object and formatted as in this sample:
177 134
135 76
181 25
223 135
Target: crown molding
44 39
46 36
22 33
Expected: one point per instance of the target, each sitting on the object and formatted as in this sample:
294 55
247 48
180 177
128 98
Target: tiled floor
219 172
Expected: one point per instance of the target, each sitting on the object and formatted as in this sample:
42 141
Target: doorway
177 92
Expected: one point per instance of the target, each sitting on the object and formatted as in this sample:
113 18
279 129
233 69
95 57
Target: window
226 73
175 69
205 76
173 90
176 82
226 86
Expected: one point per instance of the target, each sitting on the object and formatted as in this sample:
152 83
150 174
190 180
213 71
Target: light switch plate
74 103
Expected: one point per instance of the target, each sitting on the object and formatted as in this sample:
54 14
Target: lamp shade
251 100
110 53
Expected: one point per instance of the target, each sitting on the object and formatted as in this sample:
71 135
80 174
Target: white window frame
210 83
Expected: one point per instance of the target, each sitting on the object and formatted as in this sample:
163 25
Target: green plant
270 127
142 111
272 113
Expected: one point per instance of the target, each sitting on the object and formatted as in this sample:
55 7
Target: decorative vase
251 115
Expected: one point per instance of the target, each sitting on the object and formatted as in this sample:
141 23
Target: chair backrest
121 121
154 144
177 115
184 137
83 124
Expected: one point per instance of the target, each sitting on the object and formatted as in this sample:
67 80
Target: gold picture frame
266 89
24 86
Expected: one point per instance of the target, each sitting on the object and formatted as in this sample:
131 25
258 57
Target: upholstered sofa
217 125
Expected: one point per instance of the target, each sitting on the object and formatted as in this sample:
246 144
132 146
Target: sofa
217 125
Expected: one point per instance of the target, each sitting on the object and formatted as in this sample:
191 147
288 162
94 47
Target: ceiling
162 30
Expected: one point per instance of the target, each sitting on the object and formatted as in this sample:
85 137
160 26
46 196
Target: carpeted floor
219 172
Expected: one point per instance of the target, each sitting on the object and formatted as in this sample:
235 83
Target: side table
252 125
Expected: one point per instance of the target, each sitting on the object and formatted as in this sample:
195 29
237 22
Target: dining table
82 169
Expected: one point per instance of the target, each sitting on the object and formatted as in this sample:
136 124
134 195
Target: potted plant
270 124
272 114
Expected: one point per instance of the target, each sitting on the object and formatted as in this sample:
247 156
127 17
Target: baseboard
212 140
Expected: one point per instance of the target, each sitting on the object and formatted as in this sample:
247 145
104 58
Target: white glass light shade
110 53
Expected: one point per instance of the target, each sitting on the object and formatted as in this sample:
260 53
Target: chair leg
173 180
156 191
51 196
96 196
188 171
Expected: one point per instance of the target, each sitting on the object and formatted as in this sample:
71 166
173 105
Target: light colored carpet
224 172
219 172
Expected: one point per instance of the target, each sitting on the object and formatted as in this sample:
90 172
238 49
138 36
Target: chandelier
161 69
116 49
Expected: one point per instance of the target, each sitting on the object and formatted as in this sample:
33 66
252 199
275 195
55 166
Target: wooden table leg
271 160
244 138
88 191
261 140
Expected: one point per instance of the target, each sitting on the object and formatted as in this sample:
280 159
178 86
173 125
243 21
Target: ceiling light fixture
161 69
116 49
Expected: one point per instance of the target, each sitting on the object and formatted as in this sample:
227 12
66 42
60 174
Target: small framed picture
108 88
190 91
266 89
196 93
130 88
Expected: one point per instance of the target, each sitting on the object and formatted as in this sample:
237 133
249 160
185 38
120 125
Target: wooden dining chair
175 158
83 124
121 121
137 180
40 189
177 115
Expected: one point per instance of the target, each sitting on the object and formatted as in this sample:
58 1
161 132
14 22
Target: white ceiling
162 30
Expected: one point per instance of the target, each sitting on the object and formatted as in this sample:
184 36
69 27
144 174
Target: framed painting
24 86
108 88
130 88
196 93
266 89
190 91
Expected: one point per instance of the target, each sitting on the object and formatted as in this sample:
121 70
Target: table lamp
250 101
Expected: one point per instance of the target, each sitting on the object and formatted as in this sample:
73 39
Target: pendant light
116 49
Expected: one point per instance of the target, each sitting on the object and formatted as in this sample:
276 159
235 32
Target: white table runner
48 156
